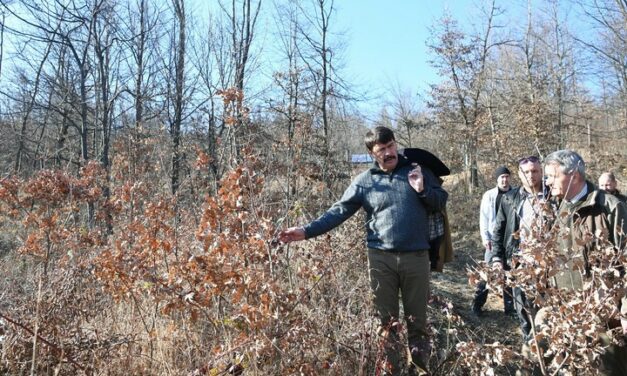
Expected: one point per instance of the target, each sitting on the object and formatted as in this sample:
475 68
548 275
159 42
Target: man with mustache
397 197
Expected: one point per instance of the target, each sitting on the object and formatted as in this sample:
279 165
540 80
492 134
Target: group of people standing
400 199
508 216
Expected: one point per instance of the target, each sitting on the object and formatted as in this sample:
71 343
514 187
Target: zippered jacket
582 223
487 214
507 222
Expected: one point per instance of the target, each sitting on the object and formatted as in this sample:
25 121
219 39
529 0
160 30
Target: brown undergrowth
143 282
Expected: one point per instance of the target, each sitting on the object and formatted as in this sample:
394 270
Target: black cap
501 170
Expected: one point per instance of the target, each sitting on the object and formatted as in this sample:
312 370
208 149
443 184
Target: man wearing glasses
397 197
515 220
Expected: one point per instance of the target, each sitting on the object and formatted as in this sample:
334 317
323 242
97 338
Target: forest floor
493 325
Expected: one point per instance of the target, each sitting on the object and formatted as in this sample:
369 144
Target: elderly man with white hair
587 216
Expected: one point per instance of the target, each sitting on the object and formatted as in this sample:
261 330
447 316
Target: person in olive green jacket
583 210
585 215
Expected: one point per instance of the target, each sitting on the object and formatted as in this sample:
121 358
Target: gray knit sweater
396 215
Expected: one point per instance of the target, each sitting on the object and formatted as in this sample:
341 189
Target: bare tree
2 23
69 28
142 30
243 30
609 44
606 43
206 54
242 18
291 83
458 102
319 47
107 58
177 94
405 113
317 55
27 111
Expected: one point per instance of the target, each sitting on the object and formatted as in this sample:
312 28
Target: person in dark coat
515 217
608 183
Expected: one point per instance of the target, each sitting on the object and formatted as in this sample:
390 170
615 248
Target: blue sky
386 40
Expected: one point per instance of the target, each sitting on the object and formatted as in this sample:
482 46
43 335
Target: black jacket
504 243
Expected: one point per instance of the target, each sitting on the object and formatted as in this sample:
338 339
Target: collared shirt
436 225
529 213
580 195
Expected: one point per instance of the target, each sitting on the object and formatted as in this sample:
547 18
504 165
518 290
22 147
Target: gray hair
568 160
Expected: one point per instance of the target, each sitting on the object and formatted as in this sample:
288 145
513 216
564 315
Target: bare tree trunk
495 145
243 41
60 144
83 106
39 162
2 41
243 29
104 42
558 76
28 109
325 15
290 84
138 92
320 70
175 126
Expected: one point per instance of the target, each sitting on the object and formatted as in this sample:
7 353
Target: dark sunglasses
532 159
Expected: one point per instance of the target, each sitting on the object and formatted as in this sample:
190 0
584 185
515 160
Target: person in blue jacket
397 197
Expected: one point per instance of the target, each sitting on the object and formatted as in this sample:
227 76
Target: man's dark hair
379 135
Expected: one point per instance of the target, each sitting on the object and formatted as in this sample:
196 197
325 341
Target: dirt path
493 325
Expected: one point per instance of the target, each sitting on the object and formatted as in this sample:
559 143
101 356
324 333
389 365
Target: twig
33 364
539 352
43 340
561 365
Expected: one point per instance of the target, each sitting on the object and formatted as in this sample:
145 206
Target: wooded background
82 76
140 140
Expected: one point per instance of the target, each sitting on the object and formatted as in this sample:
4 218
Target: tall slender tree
463 60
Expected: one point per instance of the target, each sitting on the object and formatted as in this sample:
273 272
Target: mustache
389 158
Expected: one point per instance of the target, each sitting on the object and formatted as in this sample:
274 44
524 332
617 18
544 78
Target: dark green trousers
407 273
